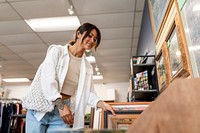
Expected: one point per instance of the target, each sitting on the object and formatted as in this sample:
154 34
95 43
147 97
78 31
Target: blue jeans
49 123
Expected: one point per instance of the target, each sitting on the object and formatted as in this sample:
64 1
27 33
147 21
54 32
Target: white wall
16 91
121 90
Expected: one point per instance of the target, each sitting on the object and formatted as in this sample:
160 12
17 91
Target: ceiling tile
56 37
7 13
116 33
134 51
20 39
136 32
14 27
14 63
36 63
113 52
4 50
138 18
135 42
33 56
113 58
11 57
117 43
83 7
41 8
140 5
109 20
28 48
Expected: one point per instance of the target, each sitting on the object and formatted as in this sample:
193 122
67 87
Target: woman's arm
48 74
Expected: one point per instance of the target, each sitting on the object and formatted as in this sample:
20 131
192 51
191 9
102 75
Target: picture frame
161 71
126 114
158 12
96 120
122 120
177 54
190 18
174 52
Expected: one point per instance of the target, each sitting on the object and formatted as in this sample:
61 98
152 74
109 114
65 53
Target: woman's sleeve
93 98
48 74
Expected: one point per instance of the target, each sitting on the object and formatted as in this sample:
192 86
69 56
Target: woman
64 76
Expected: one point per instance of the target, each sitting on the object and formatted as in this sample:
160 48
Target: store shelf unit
144 78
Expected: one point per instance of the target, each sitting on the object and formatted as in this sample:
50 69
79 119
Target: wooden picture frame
161 71
122 120
158 12
190 19
177 51
124 110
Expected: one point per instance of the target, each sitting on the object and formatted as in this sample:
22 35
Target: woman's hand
66 115
106 106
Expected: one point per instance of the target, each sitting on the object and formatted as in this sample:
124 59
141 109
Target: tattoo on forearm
59 103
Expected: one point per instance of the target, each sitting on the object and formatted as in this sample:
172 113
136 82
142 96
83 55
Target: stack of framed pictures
127 113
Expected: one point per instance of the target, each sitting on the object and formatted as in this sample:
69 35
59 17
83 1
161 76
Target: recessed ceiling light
54 24
16 80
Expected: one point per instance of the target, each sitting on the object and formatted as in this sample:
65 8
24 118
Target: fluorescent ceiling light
54 24
16 80
97 77
91 59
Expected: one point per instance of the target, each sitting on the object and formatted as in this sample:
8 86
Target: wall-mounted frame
161 70
191 18
158 11
126 114
177 52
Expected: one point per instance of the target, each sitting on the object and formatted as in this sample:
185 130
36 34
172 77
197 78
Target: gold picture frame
177 54
126 114
158 10
163 79
122 120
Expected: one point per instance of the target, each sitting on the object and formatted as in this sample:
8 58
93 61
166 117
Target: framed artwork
122 120
126 114
174 52
162 81
96 119
177 51
191 18
157 9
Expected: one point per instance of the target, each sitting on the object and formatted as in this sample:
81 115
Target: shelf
143 65
143 75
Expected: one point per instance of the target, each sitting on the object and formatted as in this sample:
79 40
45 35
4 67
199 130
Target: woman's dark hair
88 27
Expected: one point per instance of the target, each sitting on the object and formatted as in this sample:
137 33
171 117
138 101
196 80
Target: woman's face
90 41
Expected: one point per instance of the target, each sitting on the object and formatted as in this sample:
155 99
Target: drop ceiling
22 49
